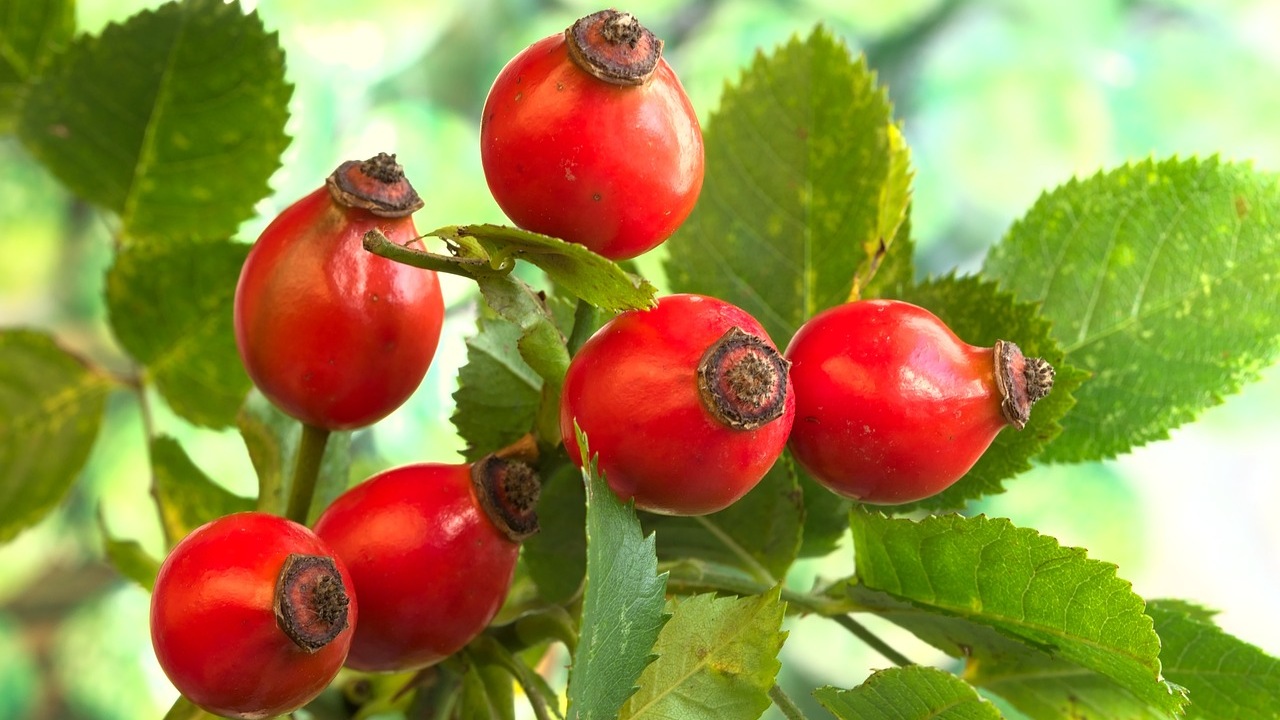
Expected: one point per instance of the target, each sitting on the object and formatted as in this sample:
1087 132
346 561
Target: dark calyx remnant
377 185
311 601
614 47
1021 381
743 380
508 493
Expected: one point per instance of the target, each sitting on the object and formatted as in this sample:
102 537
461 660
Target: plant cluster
641 472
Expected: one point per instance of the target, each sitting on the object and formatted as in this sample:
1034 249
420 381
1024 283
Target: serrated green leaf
498 393
1227 677
897 270
1151 274
571 266
622 603
31 32
129 558
980 314
170 305
717 657
271 438
187 498
174 119
52 405
993 593
540 343
759 534
557 556
908 693
894 205
800 157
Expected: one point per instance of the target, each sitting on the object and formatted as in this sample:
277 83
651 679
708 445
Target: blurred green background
999 101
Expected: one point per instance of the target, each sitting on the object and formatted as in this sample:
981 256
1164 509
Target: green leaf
897 270
759 534
1151 274
557 556
915 692
487 694
995 594
170 305
717 657
52 405
187 498
806 176
541 343
622 603
272 438
174 120
184 709
498 393
1227 677
826 516
571 266
31 32
129 558
980 314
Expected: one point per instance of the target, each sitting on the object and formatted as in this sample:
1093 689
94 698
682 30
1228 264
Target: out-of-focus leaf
170 305
806 178
717 657
31 31
557 555
996 594
52 405
1227 677
174 119
622 604
1151 276
759 534
186 496
915 692
128 558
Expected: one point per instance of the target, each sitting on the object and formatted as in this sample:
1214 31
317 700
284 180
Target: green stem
784 702
486 648
875 643
378 244
305 472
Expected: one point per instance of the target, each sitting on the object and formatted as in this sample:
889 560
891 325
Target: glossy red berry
892 407
588 136
251 615
334 335
431 549
686 404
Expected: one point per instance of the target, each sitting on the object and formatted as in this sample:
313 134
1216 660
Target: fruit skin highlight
654 392
593 141
252 615
333 335
892 407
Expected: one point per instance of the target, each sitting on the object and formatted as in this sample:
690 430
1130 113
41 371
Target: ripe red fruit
892 407
251 615
431 549
332 334
686 404
588 136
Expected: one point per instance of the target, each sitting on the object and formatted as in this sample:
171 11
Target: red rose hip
687 404
332 334
892 407
431 549
251 616
588 136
